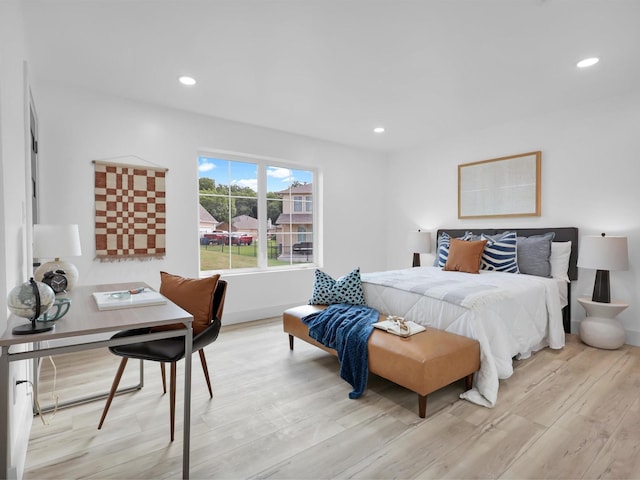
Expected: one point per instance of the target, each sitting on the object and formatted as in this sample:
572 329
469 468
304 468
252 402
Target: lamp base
29 328
69 269
601 287
416 260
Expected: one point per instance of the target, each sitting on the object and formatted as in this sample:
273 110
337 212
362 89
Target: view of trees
215 200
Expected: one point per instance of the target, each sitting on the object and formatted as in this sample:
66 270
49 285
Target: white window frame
262 162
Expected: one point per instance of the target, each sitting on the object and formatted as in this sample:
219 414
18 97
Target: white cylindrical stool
600 328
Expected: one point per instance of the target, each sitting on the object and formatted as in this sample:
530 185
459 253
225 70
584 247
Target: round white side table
601 328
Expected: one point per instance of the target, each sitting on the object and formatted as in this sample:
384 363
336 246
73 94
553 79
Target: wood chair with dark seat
169 350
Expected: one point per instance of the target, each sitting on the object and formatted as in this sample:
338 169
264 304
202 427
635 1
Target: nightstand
601 328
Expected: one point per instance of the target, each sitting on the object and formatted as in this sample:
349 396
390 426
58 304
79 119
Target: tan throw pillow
195 295
465 256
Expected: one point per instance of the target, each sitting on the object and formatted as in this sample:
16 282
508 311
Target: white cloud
277 172
206 166
252 183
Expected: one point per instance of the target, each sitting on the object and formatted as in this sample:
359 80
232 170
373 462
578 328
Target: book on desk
141 297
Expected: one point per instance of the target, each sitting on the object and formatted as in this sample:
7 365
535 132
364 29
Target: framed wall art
500 187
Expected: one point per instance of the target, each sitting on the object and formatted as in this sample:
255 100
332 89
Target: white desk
85 319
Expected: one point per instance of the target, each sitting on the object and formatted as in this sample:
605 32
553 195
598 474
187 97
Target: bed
511 315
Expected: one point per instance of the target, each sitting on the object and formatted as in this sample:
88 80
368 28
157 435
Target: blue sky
244 174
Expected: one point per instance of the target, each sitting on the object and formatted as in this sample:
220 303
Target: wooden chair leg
422 406
203 361
164 378
114 387
172 393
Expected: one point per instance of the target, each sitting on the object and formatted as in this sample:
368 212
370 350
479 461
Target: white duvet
511 315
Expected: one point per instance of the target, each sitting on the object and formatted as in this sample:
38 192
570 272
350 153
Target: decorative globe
22 299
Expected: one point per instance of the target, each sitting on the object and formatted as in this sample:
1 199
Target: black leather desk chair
168 350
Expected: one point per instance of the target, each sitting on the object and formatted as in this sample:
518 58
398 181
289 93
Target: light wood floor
573 413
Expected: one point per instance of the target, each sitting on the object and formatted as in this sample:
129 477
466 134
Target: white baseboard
232 318
633 338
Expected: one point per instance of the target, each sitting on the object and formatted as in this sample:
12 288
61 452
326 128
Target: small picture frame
500 187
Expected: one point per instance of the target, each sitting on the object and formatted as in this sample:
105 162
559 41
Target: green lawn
216 257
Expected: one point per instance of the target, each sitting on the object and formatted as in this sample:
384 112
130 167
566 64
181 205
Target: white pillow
559 260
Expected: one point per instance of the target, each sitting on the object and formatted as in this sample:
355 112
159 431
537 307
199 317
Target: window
254 214
302 234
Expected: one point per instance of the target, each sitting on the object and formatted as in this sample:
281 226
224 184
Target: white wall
78 126
15 257
590 175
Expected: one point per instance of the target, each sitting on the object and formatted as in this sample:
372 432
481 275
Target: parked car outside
239 238
217 237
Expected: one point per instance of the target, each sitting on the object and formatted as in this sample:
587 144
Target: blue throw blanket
346 329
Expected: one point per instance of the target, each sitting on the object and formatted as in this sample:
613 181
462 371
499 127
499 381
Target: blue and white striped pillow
500 253
444 242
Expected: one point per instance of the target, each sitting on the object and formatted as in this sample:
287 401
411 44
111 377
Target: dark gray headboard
563 234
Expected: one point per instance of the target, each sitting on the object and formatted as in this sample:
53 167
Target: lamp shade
55 241
600 252
419 242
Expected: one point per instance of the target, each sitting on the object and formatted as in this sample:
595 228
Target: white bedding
511 315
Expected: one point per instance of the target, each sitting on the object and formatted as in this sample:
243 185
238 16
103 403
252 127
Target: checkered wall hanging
130 211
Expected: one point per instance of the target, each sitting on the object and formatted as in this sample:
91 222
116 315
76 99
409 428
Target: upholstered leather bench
423 363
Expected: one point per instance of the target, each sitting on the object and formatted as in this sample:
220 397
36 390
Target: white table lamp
419 242
603 254
56 241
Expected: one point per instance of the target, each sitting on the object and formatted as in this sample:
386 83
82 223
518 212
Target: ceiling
335 69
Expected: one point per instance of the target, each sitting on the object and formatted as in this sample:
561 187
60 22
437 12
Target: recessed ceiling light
378 130
189 81
587 62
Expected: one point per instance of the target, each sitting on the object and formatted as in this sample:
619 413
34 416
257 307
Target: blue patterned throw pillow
347 289
444 242
500 253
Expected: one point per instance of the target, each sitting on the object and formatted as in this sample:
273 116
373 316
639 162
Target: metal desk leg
35 372
5 435
188 345
75 401
90 398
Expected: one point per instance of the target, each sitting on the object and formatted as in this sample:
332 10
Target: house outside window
250 213
296 223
